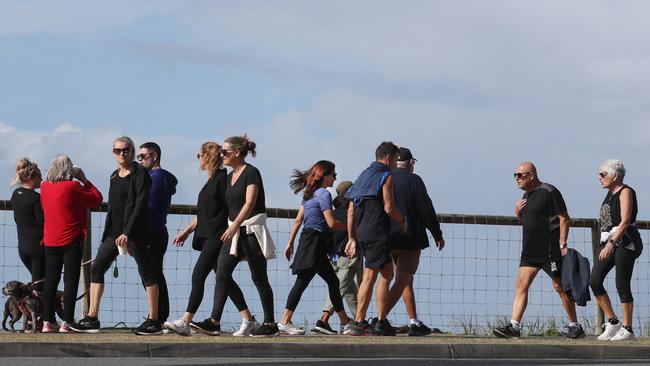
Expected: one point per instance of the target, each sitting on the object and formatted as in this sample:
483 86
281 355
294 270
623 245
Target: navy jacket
368 184
575 277
413 201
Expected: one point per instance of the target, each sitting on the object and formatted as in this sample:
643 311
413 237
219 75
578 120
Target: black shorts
552 268
376 253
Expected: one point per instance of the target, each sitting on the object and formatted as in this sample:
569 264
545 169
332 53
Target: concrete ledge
341 350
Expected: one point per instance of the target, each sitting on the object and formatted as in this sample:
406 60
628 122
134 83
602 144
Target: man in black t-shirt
545 223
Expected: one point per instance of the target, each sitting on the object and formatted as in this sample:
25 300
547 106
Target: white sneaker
179 326
622 334
347 329
290 329
610 331
247 326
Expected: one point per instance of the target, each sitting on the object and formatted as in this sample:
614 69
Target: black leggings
34 261
324 269
107 253
157 250
68 256
623 259
207 262
248 247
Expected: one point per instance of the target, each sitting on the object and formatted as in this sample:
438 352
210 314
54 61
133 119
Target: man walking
411 199
163 187
370 210
545 222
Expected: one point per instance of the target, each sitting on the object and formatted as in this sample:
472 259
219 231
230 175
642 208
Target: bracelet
563 245
617 243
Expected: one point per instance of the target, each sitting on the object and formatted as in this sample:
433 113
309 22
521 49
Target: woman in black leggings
28 216
620 246
317 217
247 237
208 226
127 229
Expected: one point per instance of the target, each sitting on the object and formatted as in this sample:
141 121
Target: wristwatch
563 245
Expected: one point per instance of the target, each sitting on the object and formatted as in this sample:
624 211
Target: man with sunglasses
412 200
163 187
545 223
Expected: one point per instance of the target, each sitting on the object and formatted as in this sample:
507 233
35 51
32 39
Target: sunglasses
333 175
141 157
602 175
125 150
520 175
198 155
225 152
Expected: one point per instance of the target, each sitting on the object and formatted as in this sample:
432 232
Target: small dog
23 301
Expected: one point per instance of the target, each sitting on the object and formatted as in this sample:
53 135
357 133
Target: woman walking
620 246
247 237
66 197
317 217
208 226
129 228
28 215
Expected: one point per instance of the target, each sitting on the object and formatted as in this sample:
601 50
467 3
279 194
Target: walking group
369 237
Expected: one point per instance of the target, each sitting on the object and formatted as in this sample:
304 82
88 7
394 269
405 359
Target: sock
515 324
415 321
573 324
629 329
613 320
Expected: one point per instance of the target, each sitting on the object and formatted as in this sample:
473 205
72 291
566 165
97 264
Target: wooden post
85 270
595 247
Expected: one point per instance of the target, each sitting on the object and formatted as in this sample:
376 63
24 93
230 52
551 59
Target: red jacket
65 206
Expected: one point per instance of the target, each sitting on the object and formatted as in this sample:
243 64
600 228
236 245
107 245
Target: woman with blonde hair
66 196
208 226
127 229
28 215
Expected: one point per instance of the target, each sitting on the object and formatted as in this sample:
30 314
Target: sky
472 87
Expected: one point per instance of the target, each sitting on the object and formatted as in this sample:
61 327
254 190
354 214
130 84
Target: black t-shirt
236 194
541 226
212 212
340 238
117 194
28 215
372 222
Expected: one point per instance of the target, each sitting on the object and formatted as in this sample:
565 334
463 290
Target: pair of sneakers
615 332
208 327
509 331
375 327
53 327
90 324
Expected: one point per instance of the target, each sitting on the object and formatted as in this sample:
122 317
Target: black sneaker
506 332
88 324
207 327
418 330
575 332
384 328
149 327
323 328
404 329
266 330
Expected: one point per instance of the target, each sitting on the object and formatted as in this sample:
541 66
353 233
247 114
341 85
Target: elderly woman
620 246
66 196
28 216
128 228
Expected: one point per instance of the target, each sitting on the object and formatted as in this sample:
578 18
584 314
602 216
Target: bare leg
605 305
152 300
286 317
96 292
326 316
409 300
401 282
365 292
627 307
383 291
569 305
524 280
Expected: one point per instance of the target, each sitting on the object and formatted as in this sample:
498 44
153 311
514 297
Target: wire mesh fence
464 289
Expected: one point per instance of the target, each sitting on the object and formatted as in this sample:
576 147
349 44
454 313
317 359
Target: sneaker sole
156 333
502 335
324 331
174 331
265 335
89 331
206 332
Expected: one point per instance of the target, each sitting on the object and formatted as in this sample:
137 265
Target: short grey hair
60 169
613 168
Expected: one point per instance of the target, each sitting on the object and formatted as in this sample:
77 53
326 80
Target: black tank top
610 217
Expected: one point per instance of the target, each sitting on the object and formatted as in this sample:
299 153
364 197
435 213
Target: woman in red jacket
66 196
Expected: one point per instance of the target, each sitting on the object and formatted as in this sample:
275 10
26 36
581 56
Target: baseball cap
405 154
